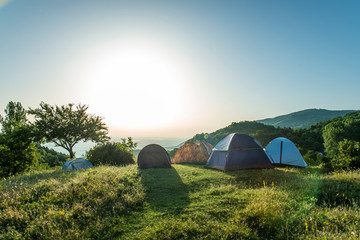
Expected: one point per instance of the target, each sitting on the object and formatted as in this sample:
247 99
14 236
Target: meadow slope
184 202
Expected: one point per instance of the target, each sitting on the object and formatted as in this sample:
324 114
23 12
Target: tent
76 164
283 152
153 156
193 152
238 151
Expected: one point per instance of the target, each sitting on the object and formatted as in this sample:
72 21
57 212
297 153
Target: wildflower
264 183
306 226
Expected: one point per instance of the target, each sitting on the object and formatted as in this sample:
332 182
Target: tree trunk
72 155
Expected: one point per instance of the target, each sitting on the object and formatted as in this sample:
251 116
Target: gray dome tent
283 152
76 164
154 156
238 151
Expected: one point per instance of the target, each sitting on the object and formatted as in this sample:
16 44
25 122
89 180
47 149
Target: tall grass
184 202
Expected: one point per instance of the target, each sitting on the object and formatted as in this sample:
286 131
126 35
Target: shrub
51 157
17 150
172 152
112 153
326 163
348 156
312 158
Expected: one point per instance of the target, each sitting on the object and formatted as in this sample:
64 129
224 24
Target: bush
172 152
312 158
17 152
348 156
51 157
112 153
326 163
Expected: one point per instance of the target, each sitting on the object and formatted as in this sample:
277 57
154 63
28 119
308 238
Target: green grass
184 202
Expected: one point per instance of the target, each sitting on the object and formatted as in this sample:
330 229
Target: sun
135 86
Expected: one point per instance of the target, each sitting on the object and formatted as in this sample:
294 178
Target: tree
17 149
348 156
15 117
66 126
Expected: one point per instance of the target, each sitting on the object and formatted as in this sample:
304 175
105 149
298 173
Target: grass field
184 202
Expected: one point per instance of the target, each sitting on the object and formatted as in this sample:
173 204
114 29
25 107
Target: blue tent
76 164
283 152
238 151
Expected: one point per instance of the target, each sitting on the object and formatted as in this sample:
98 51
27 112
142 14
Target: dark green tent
154 156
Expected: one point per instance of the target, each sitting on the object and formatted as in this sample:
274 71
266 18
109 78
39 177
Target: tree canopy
17 149
67 125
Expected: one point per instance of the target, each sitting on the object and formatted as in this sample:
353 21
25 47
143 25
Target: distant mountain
304 118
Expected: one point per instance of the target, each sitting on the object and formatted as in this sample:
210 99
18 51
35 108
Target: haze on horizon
177 68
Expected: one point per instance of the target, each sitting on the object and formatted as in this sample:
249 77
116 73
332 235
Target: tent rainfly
283 152
153 156
238 151
76 164
193 152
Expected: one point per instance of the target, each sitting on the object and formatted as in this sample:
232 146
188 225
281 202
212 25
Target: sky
178 68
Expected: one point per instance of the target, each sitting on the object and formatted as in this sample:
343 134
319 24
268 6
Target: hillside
304 118
263 133
184 202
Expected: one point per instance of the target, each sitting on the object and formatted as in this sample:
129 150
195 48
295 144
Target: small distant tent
238 151
153 156
193 152
76 164
283 152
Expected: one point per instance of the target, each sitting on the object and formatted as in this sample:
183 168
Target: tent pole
281 146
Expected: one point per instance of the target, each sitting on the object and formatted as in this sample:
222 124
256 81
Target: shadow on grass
165 191
255 178
287 179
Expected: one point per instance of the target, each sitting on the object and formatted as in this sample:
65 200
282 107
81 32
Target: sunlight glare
135 86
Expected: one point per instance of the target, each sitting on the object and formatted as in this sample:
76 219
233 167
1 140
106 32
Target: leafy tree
348 156
17 150
66 126
336 131
112 153
15 117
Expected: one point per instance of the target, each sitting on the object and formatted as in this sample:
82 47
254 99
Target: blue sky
177 68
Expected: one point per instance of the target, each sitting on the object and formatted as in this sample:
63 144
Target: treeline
21 140
334 143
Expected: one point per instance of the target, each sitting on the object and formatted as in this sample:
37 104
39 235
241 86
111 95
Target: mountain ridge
304 118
